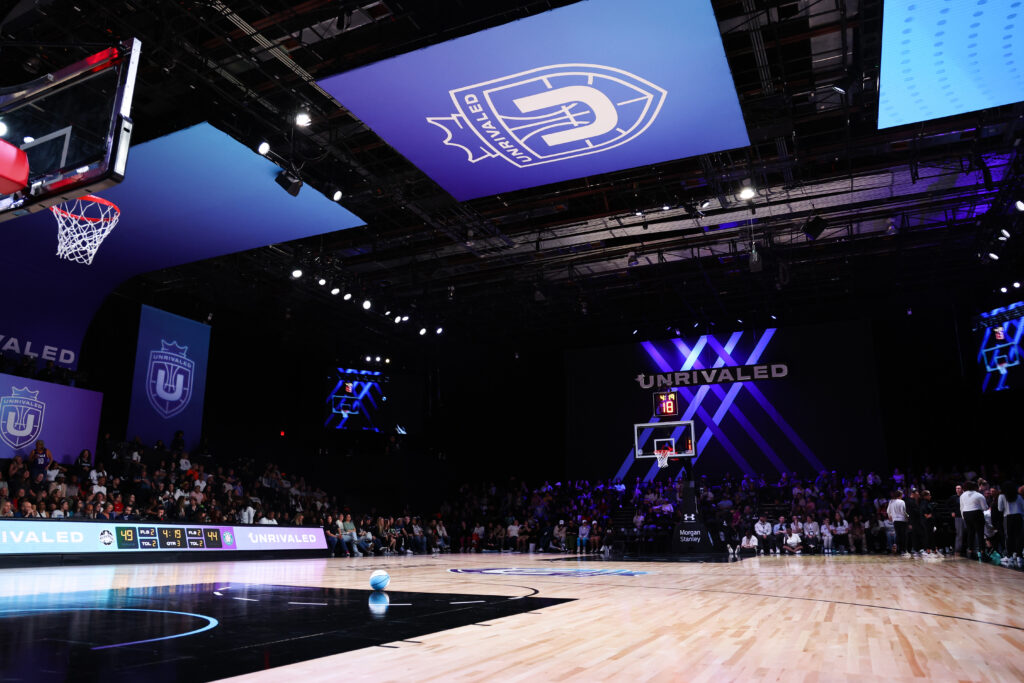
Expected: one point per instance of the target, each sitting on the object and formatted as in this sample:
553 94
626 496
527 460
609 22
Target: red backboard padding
13 168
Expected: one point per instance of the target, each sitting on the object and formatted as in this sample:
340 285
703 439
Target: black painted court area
209 631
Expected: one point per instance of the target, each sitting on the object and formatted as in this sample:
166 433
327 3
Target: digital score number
666 404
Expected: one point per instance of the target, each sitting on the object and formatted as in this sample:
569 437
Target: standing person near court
897 511
972 507
1011 504
958 520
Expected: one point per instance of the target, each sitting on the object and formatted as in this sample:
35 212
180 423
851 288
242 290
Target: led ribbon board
945 57
591 88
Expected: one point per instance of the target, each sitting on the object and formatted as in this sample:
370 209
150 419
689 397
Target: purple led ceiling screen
594 87
790 399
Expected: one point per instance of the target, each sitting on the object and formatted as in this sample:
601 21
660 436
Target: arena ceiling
901 214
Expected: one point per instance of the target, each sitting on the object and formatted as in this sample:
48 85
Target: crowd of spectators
34 367
974 513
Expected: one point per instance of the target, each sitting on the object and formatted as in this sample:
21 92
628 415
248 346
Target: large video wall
762 401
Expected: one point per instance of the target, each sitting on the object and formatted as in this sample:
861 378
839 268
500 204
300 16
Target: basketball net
663 457
82 225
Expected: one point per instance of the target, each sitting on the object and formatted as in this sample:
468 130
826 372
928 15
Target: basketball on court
379 580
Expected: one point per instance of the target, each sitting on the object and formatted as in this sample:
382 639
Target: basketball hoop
82 225
663 457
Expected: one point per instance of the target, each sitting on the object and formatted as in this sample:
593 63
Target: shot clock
666 404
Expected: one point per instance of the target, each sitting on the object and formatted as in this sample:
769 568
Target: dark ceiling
904 212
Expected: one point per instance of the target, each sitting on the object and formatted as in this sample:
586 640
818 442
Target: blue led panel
946 57
594 87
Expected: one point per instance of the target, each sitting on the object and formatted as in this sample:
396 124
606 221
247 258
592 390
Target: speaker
291 183
814 227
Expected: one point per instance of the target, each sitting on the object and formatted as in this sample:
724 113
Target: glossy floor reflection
214 630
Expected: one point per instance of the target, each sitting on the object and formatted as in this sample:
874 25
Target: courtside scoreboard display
58 536
666 404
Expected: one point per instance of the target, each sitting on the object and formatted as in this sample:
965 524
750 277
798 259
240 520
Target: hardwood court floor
804 619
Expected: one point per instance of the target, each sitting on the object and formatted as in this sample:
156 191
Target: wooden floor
801 619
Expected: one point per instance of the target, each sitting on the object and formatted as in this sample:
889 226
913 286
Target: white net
662 457
82 225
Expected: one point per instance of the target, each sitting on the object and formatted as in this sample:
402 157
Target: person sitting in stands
840 532
748 544
558 536
856 535
765 538
331 534
779 532
792 543
583 537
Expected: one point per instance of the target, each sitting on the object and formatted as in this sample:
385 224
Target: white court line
247 599
465 602
324 604
218 593
400 604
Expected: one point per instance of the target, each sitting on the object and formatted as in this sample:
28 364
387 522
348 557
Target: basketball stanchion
82 225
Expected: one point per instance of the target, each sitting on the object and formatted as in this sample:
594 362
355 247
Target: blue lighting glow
946 57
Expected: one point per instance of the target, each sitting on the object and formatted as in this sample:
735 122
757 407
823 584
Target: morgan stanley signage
594 87
170 377
67 419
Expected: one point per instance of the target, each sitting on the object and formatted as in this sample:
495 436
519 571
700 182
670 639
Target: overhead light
994 256
1020 204
1003 290
27 139
348 295
335 291
439 330
290 182
264 148
366 305
387 312
387 360
739 321
377 359
1001 238
747 191
695 325
3 129
1016 285
705 204
423 331
321 282
1005 232
638 213
665 207
337 195
634 331
398 319
405 318
368 359
297 273
839 89
773 317
302 119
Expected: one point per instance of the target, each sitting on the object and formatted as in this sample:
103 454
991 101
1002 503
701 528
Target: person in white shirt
247 513
793 544
748 545
825 528
512 534
268 518
763 531
973 506
897 512
184 464
779 532
812 534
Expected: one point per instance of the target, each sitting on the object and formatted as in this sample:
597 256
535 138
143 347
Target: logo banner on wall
170 377
66 418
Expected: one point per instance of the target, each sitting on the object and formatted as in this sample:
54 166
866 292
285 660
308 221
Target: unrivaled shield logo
553 113
21 417
169 379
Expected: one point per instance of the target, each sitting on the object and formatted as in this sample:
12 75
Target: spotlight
387 360
302 119
377 359
321 282
665 207
398 319
773 317
336 196
27 139
290 182
439 330
739 321
747 191
297 273
368 359
3 129
705 204
335 291
1003 290
695 325
1016 285
1005 233
1020 204
387 312
405 318
994 256
423 331
366 305
634 331
264 148
1001 238
348 295
638 213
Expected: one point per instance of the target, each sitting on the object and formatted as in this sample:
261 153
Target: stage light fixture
439 330
302 119
387 312
377 359
1003 290
705 204
290 182
264 148
747 191
634 331
3 129
367 359
335 291
423 331
27 139
1001 238
739 321
348 295
993 255
405 318
1016 285
665 207
337 195
366 305
321 282
398 319
1005 233
387 360
1020 205
638 213
773 317
297 273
